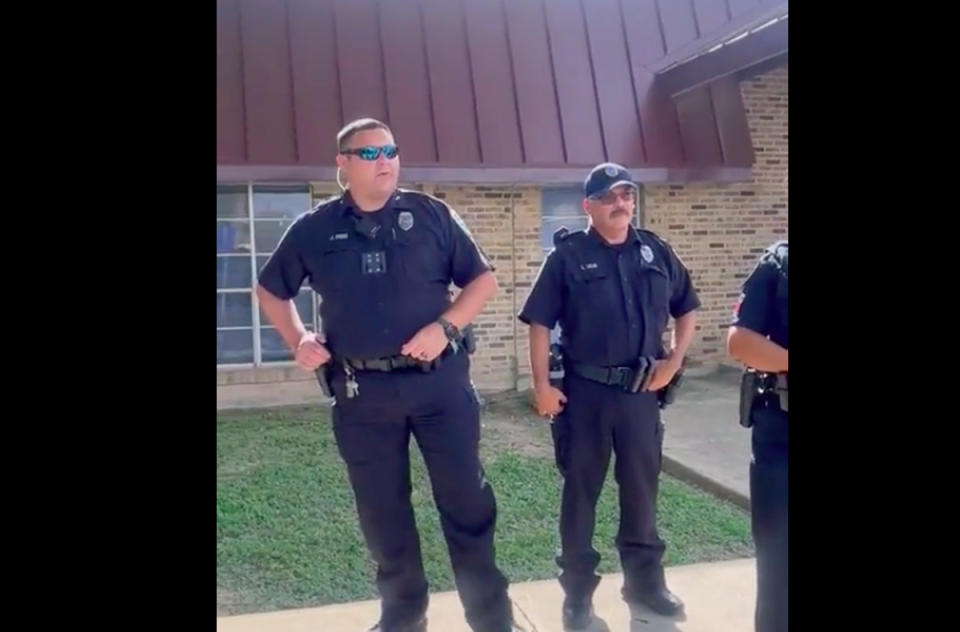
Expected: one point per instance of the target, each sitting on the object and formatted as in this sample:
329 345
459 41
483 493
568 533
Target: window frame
256 327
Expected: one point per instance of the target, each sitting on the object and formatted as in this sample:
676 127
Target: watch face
448 329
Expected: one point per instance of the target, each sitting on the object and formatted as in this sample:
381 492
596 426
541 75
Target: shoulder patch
737 304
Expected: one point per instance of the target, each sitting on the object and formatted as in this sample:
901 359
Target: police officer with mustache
612 288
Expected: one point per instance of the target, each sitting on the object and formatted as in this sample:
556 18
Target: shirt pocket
335 267
418 255
655 293
594 290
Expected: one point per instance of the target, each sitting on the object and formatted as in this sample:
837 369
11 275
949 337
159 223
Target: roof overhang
763 67
481 176
754 46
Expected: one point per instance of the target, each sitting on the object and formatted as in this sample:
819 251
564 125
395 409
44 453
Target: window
250 222
564 207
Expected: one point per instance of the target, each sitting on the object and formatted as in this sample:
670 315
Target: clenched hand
311 353
426 344
549 401
663 372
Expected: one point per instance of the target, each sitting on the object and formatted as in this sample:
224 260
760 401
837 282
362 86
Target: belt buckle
621 375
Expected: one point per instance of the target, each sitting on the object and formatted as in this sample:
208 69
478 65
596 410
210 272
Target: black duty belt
609 375
772 381
398 363
631 379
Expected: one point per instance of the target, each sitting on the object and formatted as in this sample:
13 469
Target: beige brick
719 230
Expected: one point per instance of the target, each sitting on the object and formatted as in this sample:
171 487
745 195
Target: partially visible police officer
382 260
758 339
612 288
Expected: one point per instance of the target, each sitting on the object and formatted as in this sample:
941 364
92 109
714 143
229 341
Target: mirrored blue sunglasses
371 152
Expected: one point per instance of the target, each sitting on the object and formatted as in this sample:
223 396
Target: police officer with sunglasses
394 356
612 289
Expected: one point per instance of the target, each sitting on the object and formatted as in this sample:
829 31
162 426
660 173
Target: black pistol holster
781 390
556 366
668 394
469 339
323 379
751 385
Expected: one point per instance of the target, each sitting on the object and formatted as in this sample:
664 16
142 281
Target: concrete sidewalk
704 444
719 598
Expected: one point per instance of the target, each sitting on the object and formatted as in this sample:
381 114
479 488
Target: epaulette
422 194
778 253
327 203
779 249
560 234
568 237
655 238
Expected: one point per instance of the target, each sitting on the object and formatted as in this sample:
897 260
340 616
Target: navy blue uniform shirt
372 304
763 300
613 303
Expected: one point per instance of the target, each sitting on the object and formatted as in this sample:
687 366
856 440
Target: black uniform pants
596 421
440 410
768 510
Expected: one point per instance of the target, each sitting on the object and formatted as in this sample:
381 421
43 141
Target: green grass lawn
287 533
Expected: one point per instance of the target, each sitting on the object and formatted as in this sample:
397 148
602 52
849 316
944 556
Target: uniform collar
396 201
597 240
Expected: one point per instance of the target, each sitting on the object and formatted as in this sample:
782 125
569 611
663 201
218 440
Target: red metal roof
477 90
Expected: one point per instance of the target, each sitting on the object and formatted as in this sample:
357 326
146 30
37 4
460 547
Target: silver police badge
611 171
647 253
405 220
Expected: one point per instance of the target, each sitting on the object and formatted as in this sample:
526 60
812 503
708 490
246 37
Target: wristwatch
451 332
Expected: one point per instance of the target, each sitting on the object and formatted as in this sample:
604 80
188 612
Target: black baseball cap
604 177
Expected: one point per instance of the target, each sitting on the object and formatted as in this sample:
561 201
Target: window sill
270 374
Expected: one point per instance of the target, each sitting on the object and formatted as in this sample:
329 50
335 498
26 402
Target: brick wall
718 230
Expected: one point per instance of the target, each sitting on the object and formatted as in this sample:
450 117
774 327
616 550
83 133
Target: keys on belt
385 365
353 388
